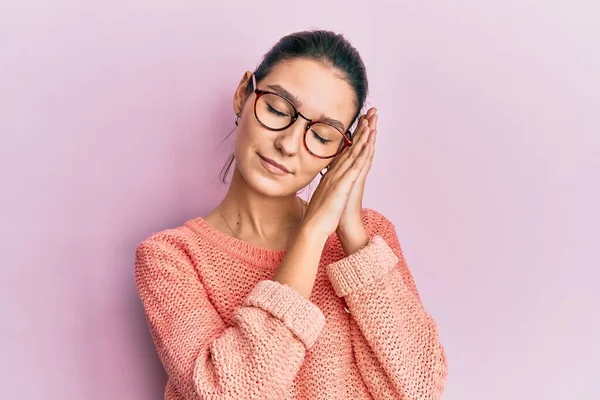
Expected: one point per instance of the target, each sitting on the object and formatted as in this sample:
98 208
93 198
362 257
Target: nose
289 141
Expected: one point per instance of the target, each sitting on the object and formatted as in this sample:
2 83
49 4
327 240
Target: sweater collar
256 255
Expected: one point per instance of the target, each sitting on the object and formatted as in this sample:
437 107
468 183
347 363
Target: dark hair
327 47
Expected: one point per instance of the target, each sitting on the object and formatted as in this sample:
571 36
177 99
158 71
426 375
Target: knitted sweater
224 330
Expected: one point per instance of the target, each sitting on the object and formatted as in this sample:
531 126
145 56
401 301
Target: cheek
250 139
311 166
246 141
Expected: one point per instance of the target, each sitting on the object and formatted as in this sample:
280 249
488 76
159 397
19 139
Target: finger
372 139
365 134
374 134
356 147
352 173
355 143
367 167
359 122
371 135
349 158
372 144
371 116
362 123
360 130
363 157
373 121
347 181
361 136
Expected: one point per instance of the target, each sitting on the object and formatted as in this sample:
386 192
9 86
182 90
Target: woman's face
321 93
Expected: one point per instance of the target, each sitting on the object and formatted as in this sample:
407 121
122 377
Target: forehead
320 89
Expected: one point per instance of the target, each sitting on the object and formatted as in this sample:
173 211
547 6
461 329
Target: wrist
298 268
310 236
353 241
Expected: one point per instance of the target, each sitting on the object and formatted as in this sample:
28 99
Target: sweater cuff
300 315
362 267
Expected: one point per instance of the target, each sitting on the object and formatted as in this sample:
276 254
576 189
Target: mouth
273 166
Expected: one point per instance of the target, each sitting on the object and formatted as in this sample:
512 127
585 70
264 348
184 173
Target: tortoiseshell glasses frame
347 141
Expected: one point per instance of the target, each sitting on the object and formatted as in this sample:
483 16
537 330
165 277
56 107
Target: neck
251 214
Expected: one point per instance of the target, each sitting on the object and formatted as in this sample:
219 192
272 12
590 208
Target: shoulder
171 237
177 243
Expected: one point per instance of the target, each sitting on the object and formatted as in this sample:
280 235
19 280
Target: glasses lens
274 111
323 140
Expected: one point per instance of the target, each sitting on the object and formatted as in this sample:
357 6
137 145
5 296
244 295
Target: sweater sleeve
396 342
258 357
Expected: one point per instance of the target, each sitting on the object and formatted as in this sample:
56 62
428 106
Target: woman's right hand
329 199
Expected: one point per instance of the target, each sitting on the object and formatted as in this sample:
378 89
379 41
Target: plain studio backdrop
112 114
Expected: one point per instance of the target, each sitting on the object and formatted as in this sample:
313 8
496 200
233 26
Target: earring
326 170
237 119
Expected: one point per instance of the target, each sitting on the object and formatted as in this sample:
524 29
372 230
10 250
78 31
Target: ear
240 95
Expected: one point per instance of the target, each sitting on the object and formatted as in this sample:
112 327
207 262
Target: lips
272 162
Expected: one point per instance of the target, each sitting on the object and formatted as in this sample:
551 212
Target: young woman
270 297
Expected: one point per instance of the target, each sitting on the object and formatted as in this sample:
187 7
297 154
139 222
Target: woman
270 297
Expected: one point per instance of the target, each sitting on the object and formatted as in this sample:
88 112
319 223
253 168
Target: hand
351 230
329 200
351 218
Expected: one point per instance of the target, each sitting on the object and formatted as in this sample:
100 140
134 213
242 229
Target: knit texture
224 330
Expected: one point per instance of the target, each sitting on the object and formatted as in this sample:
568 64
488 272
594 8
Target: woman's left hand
351 230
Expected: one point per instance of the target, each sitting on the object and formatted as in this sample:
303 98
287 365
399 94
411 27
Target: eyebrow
297 103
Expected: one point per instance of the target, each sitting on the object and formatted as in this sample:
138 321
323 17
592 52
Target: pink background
111 115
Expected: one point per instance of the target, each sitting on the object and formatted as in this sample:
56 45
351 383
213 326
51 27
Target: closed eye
276 112
319 138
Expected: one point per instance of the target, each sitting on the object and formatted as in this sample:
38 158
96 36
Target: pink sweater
224 330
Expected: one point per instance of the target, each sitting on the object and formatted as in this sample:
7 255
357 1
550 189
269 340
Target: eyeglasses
277 113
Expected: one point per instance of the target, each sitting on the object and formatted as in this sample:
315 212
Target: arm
299 266
257 357
395 340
